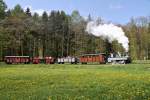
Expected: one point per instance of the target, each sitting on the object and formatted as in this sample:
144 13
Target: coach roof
93 54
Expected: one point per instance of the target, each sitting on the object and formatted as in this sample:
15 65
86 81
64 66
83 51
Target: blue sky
117 11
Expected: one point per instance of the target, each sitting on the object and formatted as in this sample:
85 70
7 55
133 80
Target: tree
76 18
18 11
28 12
89 18
14 25
133 40
148 38
35 33
2 16
2 9
44 34
51 29
78 27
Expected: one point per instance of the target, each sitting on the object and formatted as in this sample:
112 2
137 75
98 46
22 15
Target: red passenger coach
46 60
91 58
27 60
36 60
49 60
17 59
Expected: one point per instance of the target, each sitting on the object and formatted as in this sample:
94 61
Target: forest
56 34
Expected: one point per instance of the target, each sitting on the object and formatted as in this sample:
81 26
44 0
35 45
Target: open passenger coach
27 60
17 59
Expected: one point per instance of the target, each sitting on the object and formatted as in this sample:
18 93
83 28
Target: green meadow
75 82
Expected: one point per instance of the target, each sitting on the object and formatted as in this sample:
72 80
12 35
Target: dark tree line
58 34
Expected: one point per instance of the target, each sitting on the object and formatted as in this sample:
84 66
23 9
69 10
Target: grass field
75 82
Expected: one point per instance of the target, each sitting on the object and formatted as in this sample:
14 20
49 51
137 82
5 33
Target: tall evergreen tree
2 9
45 33
28 12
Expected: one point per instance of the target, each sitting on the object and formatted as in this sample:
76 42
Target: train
100 58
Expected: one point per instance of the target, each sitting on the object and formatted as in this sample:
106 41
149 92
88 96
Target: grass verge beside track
75 82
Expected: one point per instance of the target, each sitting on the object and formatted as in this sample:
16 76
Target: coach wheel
8 63
72 62
123 62
84 62
75 63
51 62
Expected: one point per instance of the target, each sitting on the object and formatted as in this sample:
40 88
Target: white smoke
110 32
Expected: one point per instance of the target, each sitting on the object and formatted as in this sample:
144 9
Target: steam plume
110 32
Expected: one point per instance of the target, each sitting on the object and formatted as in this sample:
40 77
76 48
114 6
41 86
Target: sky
116 11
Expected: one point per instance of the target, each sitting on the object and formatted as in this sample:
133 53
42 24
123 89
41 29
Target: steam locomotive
100 58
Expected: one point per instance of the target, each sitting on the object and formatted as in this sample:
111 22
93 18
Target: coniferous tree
28 12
